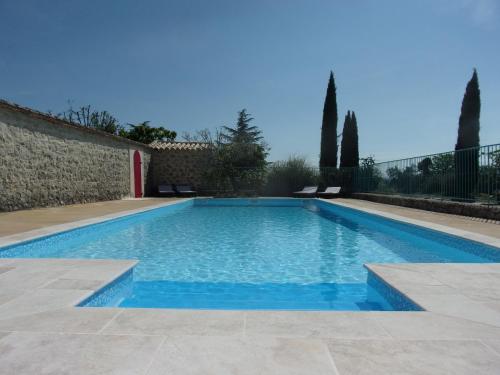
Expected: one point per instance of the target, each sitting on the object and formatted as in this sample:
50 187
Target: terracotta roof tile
162 145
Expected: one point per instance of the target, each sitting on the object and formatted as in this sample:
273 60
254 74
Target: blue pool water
255 254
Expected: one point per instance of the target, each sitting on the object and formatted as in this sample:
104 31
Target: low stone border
429 204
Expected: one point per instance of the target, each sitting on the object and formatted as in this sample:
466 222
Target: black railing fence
470 175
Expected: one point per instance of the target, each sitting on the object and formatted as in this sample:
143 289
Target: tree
86 116
468 123
237 160
442 164
367 177
328 156
466 148
425 166
242 133
349 149
145 133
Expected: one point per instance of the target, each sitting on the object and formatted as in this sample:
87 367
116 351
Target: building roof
168 145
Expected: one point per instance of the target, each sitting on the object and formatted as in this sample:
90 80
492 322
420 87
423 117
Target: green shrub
285 177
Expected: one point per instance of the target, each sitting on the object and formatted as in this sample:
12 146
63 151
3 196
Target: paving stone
35 354
228 356
437 357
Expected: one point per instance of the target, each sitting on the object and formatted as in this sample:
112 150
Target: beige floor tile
493 344
325 324
426 325
8 294
75 284
230 356
36 354
4 269
70 320
41 300
396 357
99 272
177 322
459 306
30 277
395 275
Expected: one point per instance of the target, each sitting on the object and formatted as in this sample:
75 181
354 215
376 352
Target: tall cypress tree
355 141
344 144
328 156
349 148
468 124
467 161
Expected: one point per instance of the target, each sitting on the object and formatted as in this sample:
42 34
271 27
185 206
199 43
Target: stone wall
47 162
173 166
449 207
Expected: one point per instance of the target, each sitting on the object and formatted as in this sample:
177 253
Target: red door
137 174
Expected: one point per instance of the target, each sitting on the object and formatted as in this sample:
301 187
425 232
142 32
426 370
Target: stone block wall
48 162
178 167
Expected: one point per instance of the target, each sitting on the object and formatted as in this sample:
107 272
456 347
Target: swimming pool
294 254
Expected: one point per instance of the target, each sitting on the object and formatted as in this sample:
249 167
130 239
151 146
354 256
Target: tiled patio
42 333
27 220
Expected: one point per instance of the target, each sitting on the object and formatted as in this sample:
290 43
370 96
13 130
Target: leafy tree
467 160
237 160
403 181
367 176
328 156
495 158
442 164
145 133
424 166
86 116
349 149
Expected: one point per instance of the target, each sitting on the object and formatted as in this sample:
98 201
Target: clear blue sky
187 65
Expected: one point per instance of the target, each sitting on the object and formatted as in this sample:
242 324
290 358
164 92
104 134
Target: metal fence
471 175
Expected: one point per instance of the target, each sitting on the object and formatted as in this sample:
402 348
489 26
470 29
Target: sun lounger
185 190
166 189
329 192
307 191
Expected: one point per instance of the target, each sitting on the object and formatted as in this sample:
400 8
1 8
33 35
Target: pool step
235 296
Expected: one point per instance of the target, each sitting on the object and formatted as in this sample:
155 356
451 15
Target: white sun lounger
330 191
307 191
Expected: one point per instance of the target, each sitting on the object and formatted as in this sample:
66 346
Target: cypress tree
467 161
349 148
344 146
355 141
328 156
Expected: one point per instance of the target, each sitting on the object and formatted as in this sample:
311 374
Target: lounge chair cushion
308 190
330 190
